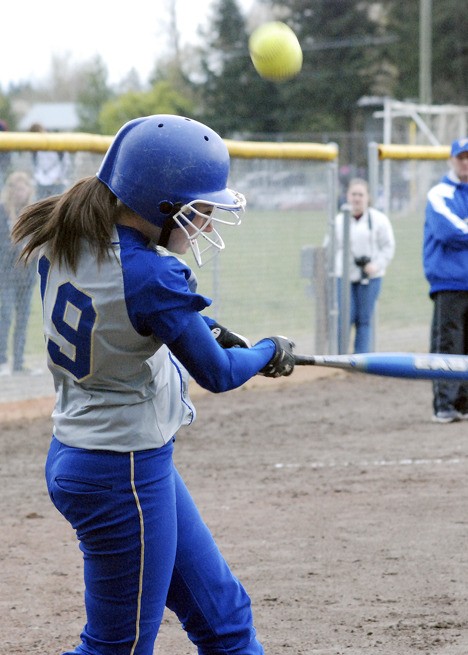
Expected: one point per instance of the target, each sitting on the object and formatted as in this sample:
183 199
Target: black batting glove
228 339
282 362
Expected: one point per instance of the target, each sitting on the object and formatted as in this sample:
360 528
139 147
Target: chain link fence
274 276
267 281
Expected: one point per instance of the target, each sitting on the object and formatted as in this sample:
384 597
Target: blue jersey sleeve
212 367
161 300
157 294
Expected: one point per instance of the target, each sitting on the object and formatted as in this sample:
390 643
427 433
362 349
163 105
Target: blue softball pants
145 546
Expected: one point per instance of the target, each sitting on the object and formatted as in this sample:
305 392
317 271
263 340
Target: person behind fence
51 168
5 157
16 282
445 261
123 331
371 249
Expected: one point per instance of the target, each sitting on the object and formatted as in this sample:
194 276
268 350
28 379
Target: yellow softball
275 51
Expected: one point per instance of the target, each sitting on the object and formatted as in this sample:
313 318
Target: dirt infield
337 502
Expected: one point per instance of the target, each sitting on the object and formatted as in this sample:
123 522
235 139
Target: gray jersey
116 388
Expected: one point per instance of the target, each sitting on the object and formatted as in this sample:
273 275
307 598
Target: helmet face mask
211 215
160 162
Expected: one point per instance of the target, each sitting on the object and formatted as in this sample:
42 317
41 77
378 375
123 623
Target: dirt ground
340 506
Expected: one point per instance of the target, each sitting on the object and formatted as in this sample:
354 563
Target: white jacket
370 236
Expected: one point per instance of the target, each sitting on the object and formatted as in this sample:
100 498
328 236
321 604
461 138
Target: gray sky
125 35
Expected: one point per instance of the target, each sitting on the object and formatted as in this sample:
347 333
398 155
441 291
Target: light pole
425 52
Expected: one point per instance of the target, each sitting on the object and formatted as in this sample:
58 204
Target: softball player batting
123 331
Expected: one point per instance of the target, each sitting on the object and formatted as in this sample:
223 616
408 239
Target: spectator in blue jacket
445 258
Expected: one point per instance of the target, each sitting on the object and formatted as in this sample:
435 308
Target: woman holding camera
371 249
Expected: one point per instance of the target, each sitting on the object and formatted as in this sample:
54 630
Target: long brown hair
8 193
88 210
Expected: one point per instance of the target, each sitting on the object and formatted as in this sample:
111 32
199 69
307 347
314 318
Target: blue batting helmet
158 162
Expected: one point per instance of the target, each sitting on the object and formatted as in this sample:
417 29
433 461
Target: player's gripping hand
228 339
282 362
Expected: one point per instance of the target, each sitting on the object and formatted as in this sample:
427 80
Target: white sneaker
446 416
4 369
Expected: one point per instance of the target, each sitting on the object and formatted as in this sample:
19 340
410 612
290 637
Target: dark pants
15 299
449 334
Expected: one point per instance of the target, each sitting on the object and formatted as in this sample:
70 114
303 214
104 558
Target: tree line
352 49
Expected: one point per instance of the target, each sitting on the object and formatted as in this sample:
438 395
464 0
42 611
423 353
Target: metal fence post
331 247
373 168
344 313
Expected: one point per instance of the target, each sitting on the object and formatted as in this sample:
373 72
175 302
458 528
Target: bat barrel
400 365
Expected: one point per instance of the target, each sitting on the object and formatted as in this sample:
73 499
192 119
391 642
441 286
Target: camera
362 263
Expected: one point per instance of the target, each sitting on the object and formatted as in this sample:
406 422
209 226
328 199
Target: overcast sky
125 35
